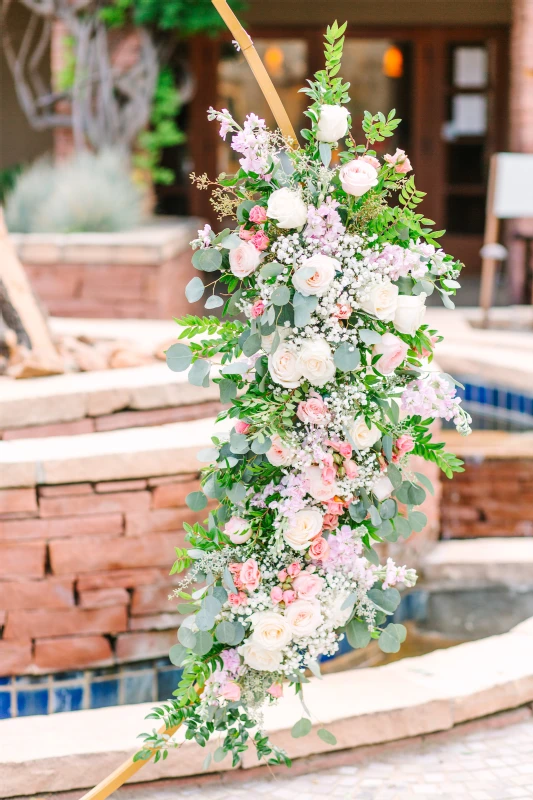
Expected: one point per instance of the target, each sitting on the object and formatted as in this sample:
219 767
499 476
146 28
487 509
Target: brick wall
491 498
84 572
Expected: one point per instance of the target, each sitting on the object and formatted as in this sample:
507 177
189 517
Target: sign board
513 190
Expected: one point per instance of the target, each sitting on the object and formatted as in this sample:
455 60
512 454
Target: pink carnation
260 240
335 507
236 600
250 575
403 444
258 214
399 161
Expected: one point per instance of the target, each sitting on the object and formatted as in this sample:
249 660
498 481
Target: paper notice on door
470 67
469 115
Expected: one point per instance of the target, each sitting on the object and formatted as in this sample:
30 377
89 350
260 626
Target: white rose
287 208
338 615
268 340
304 617
259 658
332 123
319 281
238 530
410 311
306 524
316 362
270 630
382 488
381 301
244 259
362 435
357 177
319 489
285 367
279 455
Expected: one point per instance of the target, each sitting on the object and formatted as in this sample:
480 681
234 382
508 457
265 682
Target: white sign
513 196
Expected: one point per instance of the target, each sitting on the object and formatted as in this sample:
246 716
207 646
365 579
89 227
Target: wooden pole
488 264
258 68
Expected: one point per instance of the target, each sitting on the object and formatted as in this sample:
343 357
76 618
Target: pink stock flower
231 659
257 309
351 469
319 550
294 569
258 214
276 690
342 311
282 576
230 691
250 575
313 411
260 240
399 161
241 427
289 597
245 234
330 522
276 594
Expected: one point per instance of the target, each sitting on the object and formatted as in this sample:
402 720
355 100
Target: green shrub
90 192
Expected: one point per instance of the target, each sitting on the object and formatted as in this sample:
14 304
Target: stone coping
107 456
479 563
503 357
483 445
407 698
147 334
156 241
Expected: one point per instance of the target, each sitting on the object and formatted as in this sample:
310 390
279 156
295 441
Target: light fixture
393 62
274 59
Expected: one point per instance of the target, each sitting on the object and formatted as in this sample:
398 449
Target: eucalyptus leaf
271 270
186 637
422 286
236 368
212 604
239 443
220 593
281 295
357 634
207 455
232 241
261 447
386 600
314 666
375 517
391 638
228 390
243 210
325 153
196 501
388 509
402 526
301 728
219 754
237 493
207 259
186 608
394 475
194 290
228 580
327 736
252 344
357 511
203 643
417 520
303 308
416 495
213 488
446 301
199 372
368 336
214 301
179 357
205 620
349 602
386 444
347 357
177 654
424 480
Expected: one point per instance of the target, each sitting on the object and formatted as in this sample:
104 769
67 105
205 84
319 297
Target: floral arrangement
322 357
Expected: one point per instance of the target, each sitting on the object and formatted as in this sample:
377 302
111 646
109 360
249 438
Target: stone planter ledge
408 698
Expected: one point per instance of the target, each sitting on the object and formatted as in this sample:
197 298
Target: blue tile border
494 407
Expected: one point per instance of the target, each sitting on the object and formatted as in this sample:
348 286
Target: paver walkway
487 764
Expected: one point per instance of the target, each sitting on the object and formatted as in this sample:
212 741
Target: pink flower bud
276 594
294 569
241 427
276 690
282 576
257 309
350 467
245 235
289 597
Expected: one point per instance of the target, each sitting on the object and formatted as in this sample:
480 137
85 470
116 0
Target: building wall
381 12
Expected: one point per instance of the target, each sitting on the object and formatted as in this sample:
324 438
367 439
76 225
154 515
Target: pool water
494 407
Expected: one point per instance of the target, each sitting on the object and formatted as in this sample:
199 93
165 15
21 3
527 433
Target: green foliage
377 127
188 17
91 192
8 180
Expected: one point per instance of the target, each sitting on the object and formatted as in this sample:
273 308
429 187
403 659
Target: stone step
34 406
411 697
110 456
479 563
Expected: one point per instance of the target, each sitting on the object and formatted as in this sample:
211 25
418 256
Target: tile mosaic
67 698
138 688
5 705
104 693
167 682
32 701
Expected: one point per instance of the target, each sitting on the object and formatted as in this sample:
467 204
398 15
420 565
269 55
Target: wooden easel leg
488 275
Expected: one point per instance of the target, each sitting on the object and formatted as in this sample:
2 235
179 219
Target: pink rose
294 569
404 444
244 234
372 161
260 240
329 474
276 594
241 427
393 352
238 530
235 570
250 575
319 550
357 177
276 690
307 586
258 215
244 259
257 309
330 522
319 488
282 576
342 311
313 410
236 600
399 161
351 469
345 449
230 691
335 508
289 597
